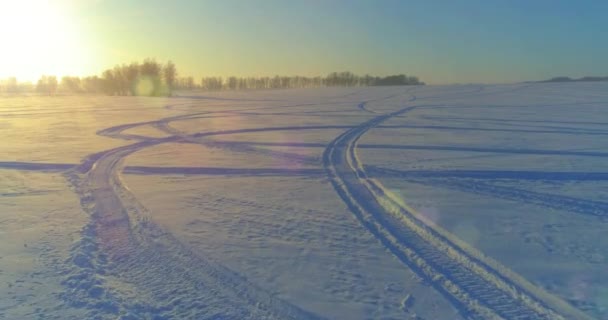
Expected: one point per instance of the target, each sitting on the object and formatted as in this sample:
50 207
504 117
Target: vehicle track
478 286
363 105
127 265
489 174
559 202
122 245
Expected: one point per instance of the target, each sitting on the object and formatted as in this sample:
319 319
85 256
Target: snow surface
434 202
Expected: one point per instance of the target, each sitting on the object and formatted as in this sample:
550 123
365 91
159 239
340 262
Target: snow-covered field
435 202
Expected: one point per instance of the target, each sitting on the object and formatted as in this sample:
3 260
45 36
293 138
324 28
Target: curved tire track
127 265
478 286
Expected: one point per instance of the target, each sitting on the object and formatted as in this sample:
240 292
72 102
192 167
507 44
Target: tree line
334 79
583 79
150 78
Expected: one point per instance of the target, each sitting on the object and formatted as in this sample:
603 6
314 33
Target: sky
467 41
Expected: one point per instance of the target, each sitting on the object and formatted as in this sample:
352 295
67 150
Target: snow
436 202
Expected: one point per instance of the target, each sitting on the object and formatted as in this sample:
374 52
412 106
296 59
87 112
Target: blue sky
440 41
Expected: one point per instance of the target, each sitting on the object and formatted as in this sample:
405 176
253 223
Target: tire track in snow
490 174
126 265
242 147
559 202
478 286
363 105
498 120
222 171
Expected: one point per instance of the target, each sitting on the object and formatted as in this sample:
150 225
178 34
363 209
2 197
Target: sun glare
39 37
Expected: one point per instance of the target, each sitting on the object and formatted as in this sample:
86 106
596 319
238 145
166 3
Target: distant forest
151 78
583 79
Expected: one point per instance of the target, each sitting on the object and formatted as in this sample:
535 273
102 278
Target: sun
39 37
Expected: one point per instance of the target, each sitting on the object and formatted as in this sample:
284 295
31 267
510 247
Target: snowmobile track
479 287
121 243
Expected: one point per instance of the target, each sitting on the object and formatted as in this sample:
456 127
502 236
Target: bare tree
150 70
170 74
93 84
109 82
47 85
152 78
131 73
71 84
